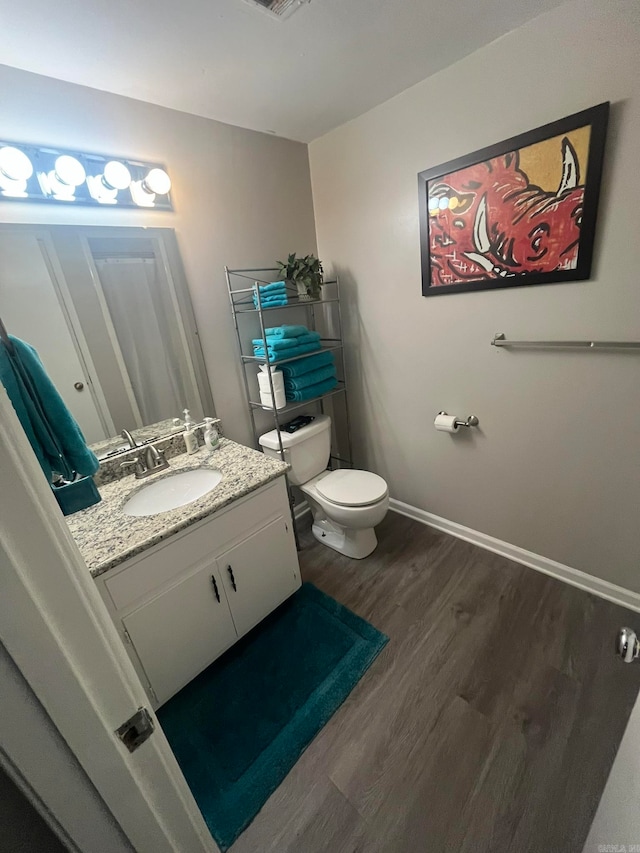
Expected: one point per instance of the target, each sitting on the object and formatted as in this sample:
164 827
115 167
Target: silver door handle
628 645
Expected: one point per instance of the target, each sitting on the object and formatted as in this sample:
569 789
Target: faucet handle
136 462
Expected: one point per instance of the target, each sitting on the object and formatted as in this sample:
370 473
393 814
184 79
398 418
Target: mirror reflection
108 311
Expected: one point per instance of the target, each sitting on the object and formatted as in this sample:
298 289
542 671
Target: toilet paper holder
471 421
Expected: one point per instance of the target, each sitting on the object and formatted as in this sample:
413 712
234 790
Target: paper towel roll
446 423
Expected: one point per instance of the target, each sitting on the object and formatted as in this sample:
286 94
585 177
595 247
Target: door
31 310
259 573
59 635
182 631
616 825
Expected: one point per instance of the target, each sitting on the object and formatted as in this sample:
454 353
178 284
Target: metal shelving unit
243 285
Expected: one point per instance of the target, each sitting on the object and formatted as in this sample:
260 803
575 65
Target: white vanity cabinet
183 602
181 631
253 577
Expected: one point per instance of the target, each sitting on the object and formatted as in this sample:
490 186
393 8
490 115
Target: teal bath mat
240 726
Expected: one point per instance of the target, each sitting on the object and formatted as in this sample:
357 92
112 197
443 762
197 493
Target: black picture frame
597 119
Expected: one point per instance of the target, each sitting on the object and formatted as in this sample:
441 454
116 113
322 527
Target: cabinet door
182 631
260 573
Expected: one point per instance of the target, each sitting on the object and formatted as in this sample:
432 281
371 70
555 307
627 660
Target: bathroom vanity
184 585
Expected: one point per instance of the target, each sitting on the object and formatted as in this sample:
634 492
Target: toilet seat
345 487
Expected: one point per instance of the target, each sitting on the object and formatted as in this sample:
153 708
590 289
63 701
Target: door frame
52 621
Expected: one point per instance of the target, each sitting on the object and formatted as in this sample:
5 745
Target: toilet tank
307 450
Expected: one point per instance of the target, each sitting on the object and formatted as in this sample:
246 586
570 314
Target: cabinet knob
215 588
233 580
78 386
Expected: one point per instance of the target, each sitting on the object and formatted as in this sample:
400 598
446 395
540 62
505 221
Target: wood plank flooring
489 722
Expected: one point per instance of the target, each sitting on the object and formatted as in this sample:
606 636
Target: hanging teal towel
306 365
311 378
287 331
55 437
312 391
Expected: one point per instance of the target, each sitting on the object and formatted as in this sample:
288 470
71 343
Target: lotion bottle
190 440
211 437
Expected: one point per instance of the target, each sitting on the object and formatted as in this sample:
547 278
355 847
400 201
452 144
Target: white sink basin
172 492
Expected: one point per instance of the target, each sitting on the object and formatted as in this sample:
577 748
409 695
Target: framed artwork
519 212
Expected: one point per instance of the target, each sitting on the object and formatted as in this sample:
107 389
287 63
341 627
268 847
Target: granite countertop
107 537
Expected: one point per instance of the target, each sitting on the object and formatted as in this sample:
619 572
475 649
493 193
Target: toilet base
356 544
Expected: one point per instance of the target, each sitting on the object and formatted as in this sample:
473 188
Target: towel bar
499 340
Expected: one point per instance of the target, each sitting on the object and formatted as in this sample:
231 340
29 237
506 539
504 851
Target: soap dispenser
211 437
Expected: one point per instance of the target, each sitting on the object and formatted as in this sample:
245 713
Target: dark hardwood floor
489 722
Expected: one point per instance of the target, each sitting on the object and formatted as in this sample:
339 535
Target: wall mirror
109 312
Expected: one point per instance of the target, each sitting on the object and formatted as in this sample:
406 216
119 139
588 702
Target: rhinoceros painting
525 214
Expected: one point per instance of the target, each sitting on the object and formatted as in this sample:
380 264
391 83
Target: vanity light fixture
67 174
15 170
104 188
156 182
38 173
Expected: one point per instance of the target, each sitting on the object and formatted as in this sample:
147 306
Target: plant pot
303 292
309 290
314 289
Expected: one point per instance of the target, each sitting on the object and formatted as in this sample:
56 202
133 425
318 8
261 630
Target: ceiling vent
278 8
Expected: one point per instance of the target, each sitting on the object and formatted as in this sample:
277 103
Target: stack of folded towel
309 377
286 342
271 295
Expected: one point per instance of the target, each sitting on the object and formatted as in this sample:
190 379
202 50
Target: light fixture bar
63 176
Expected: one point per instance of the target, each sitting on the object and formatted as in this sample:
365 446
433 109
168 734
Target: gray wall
555 466
241 198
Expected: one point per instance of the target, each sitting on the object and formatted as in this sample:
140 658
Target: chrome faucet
129 438
149 460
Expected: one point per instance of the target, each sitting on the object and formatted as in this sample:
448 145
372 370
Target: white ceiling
300 77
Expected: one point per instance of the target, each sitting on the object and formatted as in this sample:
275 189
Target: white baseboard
589 583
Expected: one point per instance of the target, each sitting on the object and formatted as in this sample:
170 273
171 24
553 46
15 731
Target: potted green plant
305 273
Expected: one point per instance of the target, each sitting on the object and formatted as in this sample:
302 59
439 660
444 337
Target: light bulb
116 176
14 164
157 181
69 171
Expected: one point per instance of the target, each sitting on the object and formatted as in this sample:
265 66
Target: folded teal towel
306 365
286 343
311 378
293 352
275 343
312 391
274 287
272 302
269 293
287 331
55 437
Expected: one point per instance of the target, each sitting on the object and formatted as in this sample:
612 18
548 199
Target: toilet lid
352 488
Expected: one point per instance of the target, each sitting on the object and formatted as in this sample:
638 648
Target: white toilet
346 504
